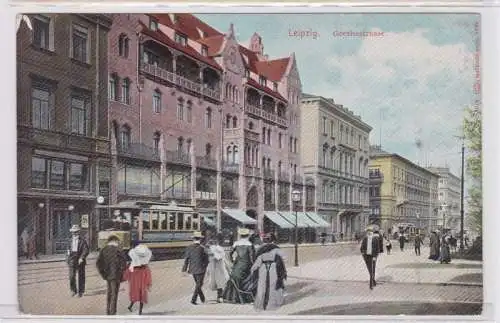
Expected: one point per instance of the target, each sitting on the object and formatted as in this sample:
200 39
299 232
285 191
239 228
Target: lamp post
36 229
462 200
296 197
71 207
418 221
443 207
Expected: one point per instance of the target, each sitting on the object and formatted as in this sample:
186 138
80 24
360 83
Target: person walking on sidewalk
417 243
370 247
77 260
402 239
111 264
388 244
139 276
195 263
216 271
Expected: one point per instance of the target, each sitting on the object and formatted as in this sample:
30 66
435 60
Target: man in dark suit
370 249
77 260
418 242
111 264
195 263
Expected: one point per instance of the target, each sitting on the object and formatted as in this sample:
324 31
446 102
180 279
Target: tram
166 229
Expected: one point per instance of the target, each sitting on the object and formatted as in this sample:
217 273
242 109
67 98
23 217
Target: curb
47 261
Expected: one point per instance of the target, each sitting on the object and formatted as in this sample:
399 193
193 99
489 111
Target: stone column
276 190
192 155
219 188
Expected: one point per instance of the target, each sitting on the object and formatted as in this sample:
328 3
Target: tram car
166 229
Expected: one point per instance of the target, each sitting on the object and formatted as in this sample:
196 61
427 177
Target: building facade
400 192
449 198
202 120
335 156
62 124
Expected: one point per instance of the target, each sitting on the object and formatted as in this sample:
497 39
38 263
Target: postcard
251 164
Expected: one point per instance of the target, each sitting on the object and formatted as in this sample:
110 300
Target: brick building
62 122
199 119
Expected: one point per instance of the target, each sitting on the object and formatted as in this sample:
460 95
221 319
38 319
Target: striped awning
290 217
239 216
318 219
278 220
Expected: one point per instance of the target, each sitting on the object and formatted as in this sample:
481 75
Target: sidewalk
398 267
93 255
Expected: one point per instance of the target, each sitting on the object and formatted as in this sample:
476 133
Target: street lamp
296 196
418 219
71 207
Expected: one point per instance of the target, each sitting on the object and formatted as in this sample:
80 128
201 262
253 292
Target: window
324 125
113 87
180 109
275 87
332 129
156 142
123 46
38 172
295 145
204 50
264 132
41 31
79 43
57 175
188 146
153 24
359 141
208 118
40 108
180 145
79 109
262 81
77 176
269 137
180 39
280 140
208 150
189 112
126 91
157 101
125 137
235 122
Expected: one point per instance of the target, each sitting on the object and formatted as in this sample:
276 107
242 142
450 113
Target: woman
444 256
270 268
216 270
138 276
388 244
242 255
434 246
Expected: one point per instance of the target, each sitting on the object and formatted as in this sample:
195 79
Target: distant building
63 150
335 156
449 198
400 192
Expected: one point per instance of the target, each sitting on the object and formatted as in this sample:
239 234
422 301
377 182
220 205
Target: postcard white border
490 50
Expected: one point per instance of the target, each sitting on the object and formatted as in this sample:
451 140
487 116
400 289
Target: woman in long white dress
216 270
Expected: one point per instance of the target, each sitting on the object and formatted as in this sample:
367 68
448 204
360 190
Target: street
330 280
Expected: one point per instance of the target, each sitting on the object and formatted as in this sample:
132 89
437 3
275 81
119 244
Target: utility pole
462 200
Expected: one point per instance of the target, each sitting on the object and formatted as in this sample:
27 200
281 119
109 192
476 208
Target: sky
410 81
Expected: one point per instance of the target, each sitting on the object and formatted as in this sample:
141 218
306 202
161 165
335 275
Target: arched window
250 125
123 45
113 87
268 163
279 167
269 136
188 146
208 150
228 90
234 93
208 118
332 158
126 91
235 155
228 121
180 146
125 137
156 141
189 112
180 109
325 155
157 101
235 122
229 151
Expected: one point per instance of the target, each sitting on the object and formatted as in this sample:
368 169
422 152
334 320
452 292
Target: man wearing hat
370 249
195 263
77 259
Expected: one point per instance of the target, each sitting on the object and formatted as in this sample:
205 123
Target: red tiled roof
187 24
273 70
213 43
265 89
188 50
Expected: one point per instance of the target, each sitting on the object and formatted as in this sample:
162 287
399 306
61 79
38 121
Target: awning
308 220
209 218
239 216
290 217
278 220
318 219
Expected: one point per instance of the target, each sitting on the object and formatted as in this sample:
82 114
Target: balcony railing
259 112
205 195
230 167
180 81
139 151
231 132
268 173
206 162
178 194
252 171
329 171
177 157
62 140
252 135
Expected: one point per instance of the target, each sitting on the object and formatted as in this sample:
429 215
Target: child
388 245
138 276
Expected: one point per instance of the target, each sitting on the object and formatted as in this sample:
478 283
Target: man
378 235
402 240
77 260
370 248
418 242
111 264
195 263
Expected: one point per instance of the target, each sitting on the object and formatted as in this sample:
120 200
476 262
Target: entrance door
61 224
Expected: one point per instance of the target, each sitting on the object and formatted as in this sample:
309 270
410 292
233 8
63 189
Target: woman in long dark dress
243 256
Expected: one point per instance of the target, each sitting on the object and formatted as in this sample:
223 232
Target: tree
472 132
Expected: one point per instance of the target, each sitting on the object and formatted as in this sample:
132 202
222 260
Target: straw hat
197 235
75 228
243 232
140 255
369 228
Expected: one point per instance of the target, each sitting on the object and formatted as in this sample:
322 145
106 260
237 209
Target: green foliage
473 138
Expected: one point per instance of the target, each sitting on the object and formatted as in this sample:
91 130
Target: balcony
205 195
297 179
329 171
61 140
180 81
269 174
177 157
230 167
328 205
252 171
178 194
252 135
260 113
206 162
232 133
139 151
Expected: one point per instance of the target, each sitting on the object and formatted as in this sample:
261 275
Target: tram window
145 221
171 219
195 223
180 221
187 218
154 221
135 222
163 221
